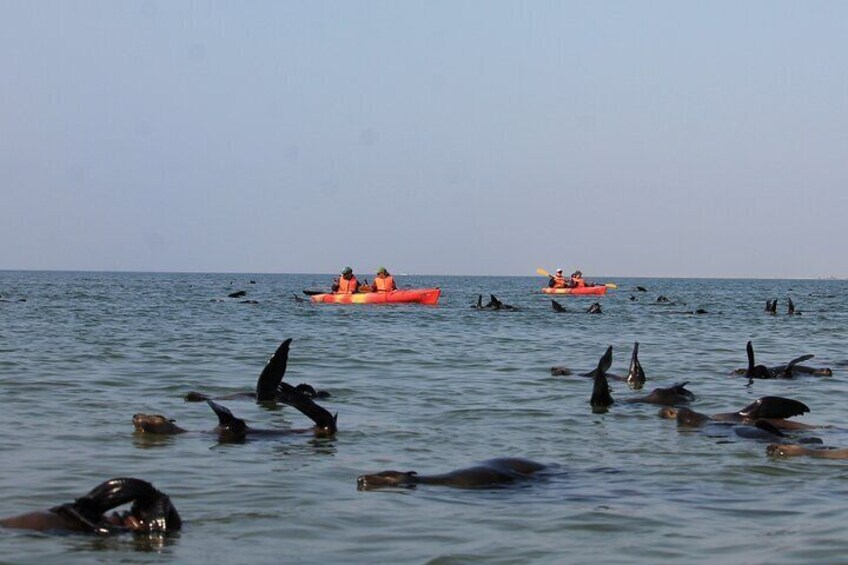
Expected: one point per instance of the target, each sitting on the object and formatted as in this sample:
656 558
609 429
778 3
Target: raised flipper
324 421
603 365
769 427
273 373
152 509
788 371
557 306
755 371
635 376
681 390
774 407
601 397
227 423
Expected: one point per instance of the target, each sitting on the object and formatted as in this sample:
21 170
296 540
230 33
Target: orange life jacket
577 282
559 281
348 286
384 284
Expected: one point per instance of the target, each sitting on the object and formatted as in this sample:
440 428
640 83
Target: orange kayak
597 289
408 296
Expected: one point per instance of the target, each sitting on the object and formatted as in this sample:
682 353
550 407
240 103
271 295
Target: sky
662 138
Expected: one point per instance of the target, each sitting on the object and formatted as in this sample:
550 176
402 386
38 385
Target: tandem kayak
408 296
597 289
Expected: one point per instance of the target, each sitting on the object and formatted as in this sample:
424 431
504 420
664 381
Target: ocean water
419 388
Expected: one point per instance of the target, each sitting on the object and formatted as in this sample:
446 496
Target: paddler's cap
559 270
382 270
347 271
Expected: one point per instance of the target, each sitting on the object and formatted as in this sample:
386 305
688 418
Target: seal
595 308
151 511
557 306
493 304
231 429
787 371
488 474
671 396
268 382
789 450
774 410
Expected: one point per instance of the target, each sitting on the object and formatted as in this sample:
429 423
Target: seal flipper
273 373
557 306
769 427
681 390
788 370
227 423
601 397
635 376
324 421
775 407
755 371
89 509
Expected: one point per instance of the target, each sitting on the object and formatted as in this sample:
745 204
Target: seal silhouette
488 474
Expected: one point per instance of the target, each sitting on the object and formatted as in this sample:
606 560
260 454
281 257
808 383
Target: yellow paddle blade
543 272
611 285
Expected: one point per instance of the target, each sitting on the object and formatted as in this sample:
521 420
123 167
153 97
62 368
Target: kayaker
558 280
383 282
346 283
577 280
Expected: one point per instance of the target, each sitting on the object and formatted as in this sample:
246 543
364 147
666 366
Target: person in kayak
346 283
577 280
383 282
558 281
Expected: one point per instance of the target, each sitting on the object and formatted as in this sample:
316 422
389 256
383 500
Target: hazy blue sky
442 137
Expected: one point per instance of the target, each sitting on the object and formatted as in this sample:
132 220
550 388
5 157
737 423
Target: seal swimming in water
151 511
557 306
268 383
595 308
787 371
494 304
772 409
488 474
233 429
789 450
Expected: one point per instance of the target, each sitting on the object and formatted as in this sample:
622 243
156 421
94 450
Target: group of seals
771 307
233 429
270 388
151 511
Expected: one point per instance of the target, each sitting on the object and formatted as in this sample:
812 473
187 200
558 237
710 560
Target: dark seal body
488 474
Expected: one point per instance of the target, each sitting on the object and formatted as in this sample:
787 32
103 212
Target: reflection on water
424 388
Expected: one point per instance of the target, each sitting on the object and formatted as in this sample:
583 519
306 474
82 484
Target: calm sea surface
419 388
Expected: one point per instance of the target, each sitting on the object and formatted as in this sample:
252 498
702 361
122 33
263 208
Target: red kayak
406 296
597 289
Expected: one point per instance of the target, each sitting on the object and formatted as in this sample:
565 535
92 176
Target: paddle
314 292
544 273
